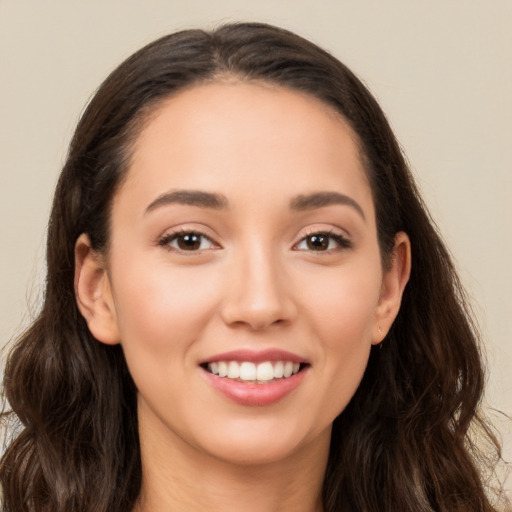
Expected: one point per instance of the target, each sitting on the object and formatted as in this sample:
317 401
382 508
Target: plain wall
441 70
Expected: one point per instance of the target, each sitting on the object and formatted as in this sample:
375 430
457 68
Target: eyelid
343 240
170 235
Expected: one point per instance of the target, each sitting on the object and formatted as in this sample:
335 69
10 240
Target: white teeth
279 370
223 369
233 370
248 371
265 371
214 368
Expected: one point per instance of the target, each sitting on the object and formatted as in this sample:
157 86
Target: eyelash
166 240
341 241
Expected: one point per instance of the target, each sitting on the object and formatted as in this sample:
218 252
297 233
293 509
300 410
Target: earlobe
393 285
93 293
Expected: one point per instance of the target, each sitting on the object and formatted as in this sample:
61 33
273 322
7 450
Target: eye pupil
318 242
189 241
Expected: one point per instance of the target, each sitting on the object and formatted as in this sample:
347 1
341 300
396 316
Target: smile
255 378
247 371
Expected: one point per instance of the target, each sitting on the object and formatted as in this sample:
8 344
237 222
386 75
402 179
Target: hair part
401 444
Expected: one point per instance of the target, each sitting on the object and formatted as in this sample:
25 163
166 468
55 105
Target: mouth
264 372
255 377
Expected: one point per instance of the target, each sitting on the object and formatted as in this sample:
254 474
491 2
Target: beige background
441 70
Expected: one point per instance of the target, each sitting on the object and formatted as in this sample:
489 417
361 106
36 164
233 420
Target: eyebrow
321 199
219 202
190 198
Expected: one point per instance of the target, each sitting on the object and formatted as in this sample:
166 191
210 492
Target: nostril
255 321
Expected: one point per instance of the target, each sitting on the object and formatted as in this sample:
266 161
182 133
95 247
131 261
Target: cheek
340 313
342 303
344 322
163 309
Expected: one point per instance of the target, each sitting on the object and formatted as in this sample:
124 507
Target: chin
255 454
245 446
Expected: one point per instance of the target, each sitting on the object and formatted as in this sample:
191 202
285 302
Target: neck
176 477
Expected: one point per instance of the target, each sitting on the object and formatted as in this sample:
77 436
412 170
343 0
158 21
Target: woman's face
244 241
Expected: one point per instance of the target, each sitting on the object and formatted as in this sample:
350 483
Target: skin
253 283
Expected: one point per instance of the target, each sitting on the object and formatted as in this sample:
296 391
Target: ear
393 284
93 293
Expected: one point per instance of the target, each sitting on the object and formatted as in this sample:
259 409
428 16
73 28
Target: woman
247 304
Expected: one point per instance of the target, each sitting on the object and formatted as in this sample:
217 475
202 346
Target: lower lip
251 393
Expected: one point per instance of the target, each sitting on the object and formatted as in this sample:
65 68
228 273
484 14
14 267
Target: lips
247 371
255 378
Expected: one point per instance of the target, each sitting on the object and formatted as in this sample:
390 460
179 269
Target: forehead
245 134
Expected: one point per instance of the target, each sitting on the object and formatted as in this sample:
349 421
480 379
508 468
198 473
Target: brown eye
188 241
323 242
319 242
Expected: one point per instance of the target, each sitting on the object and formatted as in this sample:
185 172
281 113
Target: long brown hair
401 444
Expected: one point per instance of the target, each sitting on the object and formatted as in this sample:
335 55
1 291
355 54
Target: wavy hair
402 443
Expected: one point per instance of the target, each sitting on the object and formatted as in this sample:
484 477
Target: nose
258 292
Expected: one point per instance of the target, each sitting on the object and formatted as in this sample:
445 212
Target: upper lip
256 356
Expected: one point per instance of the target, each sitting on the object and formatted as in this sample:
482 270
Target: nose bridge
257 293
